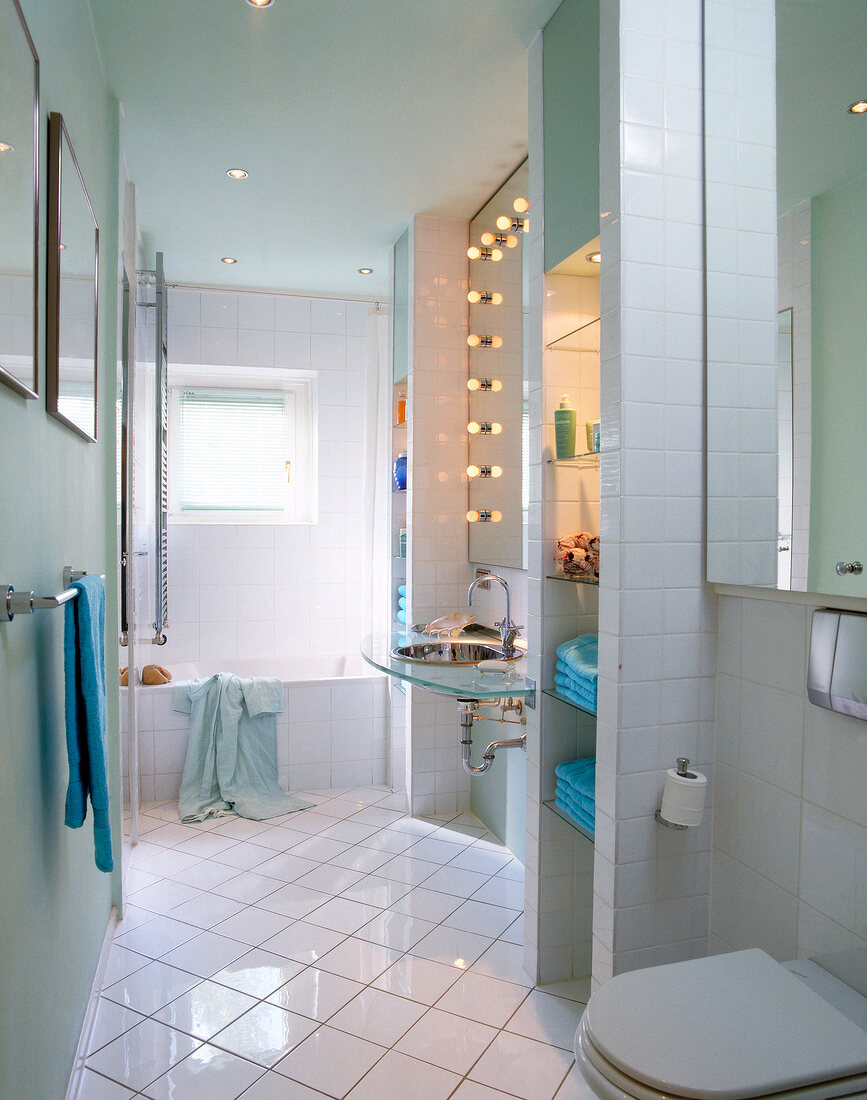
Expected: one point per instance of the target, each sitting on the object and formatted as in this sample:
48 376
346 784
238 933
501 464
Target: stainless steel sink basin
450 653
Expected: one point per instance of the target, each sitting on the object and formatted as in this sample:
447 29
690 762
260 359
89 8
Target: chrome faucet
508 630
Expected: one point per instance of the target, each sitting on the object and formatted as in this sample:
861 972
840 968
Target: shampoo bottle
565 420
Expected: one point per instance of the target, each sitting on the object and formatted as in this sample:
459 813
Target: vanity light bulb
473 517
496 298
504 222
473 471
511 241
496 428
473 297
474 427
520 206
496 341
496 471
474 340
496 517
474 384
474 252
496 385
487 239
496 255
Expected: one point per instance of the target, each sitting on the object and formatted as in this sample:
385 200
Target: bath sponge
155 674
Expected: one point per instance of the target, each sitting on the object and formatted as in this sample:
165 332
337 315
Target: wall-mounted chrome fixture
476 340
519 225
484 297
484 471
476 253
484 427
844 568
682 797
485 515
14 603
469 712
507 239
492 384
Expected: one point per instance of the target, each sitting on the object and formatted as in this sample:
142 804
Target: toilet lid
724 1027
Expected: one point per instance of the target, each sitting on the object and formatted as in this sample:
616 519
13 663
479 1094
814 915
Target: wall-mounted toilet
727 1027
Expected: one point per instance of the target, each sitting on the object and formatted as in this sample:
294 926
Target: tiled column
437 569
656 616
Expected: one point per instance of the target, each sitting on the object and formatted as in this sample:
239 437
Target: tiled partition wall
790 829
437 569
258 590
657 651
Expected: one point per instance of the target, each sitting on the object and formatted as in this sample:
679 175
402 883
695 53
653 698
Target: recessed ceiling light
228 260
260 3
237 174
858 108
5 147
365 271
593 257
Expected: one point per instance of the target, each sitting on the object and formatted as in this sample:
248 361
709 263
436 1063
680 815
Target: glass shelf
583 338
588 458
572 580
554 808
554 694
461 681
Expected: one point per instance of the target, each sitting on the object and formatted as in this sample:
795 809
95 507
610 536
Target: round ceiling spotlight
858 108
5 147
260 3
593 257
237 174
365 271
228 260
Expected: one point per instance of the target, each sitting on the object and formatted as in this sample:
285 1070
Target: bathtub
333 731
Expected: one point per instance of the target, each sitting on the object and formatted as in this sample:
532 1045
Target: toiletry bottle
565 420
399 472
401 408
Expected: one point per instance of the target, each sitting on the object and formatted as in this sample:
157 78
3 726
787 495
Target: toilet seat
728 1027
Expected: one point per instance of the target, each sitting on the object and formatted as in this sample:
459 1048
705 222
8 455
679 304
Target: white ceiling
350 116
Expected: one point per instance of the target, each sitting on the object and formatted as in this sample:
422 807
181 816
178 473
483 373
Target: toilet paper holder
683 770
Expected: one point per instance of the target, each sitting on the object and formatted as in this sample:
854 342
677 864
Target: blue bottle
399 472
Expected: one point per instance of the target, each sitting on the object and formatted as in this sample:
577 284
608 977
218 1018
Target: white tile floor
342 951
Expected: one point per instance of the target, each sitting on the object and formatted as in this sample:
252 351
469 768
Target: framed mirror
71 295
19 202
498 470
786 201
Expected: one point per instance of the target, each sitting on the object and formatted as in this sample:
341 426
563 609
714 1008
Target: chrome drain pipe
468 709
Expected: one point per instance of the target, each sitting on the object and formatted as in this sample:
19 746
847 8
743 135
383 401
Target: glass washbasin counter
463 681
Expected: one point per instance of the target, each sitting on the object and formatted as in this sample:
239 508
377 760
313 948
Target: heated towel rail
14 603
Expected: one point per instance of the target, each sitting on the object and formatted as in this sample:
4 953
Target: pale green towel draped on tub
231 764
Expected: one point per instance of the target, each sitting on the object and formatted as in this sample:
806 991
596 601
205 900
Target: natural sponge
155 674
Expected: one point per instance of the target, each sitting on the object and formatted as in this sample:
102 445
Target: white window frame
301 502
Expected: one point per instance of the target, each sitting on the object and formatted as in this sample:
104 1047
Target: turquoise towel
401 603
586 823
401 590
84 670
401 616
231 762
573 691
579 775
576 683
575 800
581 656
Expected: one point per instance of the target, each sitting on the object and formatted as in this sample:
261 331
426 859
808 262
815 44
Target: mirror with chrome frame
19 202
71 296
497 452
786 201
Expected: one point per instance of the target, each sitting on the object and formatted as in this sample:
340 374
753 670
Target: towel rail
14 603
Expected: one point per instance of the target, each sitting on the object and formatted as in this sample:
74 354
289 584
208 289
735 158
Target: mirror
497 456
19 204
786 181
71 298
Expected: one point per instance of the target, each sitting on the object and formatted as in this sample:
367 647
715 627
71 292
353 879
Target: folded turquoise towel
572 691
401 590
84 670
581 656
569 769
231 763
576 683
586 823
401 616
573 798
401 603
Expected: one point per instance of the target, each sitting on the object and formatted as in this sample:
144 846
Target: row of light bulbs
491 249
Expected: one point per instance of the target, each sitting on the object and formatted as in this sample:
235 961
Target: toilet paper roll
683 797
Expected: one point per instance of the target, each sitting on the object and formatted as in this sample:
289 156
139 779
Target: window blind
233 446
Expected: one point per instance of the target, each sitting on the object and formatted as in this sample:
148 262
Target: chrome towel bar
14 603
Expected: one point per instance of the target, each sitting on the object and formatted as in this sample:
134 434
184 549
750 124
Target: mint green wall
570 103
839 244
58 508
499 797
